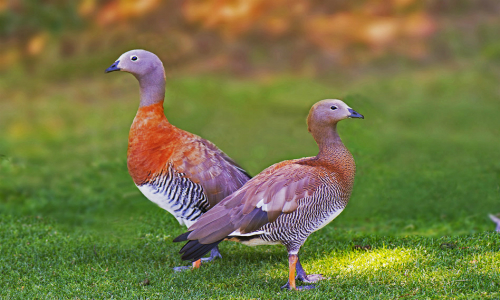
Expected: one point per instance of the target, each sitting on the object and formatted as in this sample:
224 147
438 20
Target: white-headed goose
179 171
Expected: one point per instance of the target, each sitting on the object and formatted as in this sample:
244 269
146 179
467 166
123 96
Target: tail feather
199 252
188 247
183 237
194 250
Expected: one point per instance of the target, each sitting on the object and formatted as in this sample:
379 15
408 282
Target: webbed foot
196 265
214 253
182 268
311 278
298 288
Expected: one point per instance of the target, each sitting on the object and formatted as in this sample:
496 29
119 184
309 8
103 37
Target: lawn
74 226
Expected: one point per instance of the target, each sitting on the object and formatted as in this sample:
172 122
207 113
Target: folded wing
260 201
205 164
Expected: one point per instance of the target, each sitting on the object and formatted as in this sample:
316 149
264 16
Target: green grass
41 260
73 225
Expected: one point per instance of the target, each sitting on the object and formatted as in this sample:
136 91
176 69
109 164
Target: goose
286 202
179 171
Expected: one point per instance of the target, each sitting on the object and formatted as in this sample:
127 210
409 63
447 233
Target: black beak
114 67
355 114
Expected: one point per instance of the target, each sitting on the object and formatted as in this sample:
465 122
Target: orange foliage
346 31
119 10
235 17
231 17
86 7
36 44
3 5
338 31
374 24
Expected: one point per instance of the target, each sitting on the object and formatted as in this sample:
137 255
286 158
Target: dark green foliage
27 17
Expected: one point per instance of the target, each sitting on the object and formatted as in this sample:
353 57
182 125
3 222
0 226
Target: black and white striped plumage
177 194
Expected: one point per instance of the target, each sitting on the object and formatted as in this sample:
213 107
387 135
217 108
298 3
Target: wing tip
194 250
183 237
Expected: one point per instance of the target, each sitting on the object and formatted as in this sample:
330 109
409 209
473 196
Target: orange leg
293 265
197 264
292 261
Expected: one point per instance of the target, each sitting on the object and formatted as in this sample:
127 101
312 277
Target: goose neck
326 137
152 86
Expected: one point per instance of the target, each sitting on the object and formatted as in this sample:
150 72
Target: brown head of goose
286 202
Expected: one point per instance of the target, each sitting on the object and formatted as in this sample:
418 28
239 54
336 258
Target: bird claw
213 255
207 259
182 268
298 288
306 287
311 278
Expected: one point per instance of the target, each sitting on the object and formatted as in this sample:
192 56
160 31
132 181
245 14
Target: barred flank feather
178 195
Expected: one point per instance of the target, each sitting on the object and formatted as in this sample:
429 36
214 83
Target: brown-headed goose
286 202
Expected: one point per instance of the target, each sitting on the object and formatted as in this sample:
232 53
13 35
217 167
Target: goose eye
133 58
333 107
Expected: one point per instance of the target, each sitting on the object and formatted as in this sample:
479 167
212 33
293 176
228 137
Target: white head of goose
286 202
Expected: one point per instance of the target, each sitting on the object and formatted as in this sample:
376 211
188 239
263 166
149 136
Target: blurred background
244 73
247 38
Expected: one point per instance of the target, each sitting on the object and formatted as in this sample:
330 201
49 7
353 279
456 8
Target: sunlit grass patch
376 261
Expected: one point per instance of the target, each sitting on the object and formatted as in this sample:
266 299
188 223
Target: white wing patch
262 205
258 242
255 241
238 233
